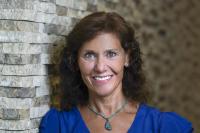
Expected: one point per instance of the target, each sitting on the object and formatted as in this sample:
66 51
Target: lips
102 78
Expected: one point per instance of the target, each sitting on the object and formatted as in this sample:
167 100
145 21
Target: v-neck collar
131 128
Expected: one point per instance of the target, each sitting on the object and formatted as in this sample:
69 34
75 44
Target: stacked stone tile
23 75
31 31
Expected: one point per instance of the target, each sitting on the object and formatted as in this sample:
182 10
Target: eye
89 55
111 54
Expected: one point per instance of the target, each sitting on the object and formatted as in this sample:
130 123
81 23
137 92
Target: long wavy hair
73 90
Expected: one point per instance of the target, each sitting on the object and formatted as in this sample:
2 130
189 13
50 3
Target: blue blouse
147 120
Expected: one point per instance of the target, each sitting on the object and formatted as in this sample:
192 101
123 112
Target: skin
101 62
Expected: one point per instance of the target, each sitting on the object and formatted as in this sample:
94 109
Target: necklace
107 125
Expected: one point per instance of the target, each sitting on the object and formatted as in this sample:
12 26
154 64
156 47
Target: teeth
102 77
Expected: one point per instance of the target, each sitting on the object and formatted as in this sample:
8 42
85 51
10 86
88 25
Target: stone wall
31 31
170 34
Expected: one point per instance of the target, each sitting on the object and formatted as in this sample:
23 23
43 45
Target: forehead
102 41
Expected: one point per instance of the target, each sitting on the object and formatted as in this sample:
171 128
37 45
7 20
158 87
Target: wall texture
170 35
31 31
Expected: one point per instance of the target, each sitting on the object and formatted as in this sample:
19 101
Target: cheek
85 67
118 66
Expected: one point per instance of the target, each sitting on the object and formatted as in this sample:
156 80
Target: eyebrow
112 50
87 50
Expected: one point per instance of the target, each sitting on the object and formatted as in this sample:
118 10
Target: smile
102 77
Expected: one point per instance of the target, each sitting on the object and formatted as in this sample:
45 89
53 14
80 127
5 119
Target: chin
103 91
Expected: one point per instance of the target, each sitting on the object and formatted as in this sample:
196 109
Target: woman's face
101 62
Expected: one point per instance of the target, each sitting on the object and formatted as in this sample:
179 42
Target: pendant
108 125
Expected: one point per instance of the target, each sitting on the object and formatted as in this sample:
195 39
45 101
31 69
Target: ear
126 64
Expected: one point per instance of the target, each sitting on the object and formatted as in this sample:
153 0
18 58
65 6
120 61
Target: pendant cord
111 116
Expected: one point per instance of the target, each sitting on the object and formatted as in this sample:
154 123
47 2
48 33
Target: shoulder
166 121
50 121
55 121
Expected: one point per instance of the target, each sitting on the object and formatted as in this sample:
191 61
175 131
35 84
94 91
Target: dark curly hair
73 90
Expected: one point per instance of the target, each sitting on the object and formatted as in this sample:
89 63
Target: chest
120 123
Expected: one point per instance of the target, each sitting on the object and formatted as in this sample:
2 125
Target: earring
126 64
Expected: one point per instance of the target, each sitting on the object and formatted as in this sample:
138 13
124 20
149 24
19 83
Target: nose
100 65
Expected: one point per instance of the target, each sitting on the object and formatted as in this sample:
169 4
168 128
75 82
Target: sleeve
50 122
173 123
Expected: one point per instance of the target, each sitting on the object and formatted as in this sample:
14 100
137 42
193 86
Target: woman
102 83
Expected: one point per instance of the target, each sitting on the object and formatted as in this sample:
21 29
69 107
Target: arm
50 122
173 123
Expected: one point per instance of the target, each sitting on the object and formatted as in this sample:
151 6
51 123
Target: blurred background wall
169 32
32 31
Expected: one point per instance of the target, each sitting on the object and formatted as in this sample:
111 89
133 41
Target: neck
107 105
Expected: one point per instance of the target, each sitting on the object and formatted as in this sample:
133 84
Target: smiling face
101 62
